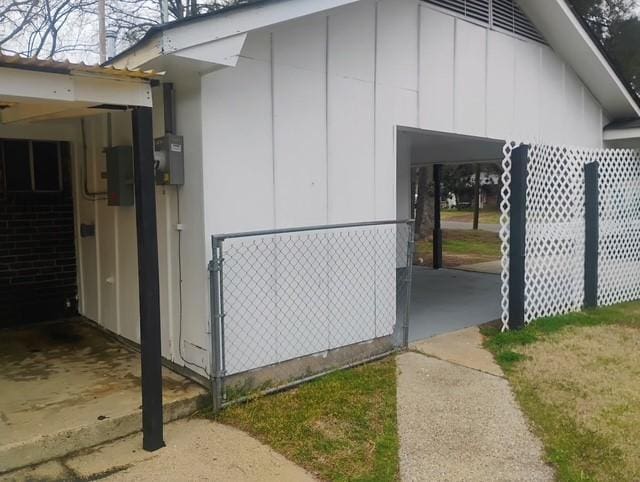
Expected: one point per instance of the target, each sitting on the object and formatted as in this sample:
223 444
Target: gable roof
562 27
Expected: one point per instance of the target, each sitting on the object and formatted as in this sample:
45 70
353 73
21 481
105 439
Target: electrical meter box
119 176
169 159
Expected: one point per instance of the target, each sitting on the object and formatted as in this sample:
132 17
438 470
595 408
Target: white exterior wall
486 83
302 131
107 263
303 128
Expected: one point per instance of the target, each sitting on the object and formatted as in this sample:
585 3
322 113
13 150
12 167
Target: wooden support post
591 235
437 229
517 236
148 279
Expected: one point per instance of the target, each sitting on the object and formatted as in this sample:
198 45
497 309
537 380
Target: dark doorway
37 249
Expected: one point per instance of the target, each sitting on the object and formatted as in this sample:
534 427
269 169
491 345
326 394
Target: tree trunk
424 203
476 197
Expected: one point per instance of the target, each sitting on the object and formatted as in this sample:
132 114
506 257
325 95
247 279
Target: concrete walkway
197 449
457 416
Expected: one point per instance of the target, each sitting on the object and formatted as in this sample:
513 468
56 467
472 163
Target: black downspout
148 279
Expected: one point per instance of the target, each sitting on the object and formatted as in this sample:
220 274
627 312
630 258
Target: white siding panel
352 42
470 78
592 120
527 95
397 47
500 85
573 102
299 124
436 70
237 156
552 108
351 151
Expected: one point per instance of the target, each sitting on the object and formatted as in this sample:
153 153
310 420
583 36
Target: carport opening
37 253
442 177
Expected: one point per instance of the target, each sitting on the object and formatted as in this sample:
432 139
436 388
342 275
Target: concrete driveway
448 299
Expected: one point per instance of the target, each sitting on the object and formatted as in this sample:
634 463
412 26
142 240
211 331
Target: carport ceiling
440 147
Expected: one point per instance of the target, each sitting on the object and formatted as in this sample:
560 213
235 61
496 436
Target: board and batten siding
487 83
302 130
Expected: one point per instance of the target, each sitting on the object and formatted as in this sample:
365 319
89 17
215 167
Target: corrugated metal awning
67 67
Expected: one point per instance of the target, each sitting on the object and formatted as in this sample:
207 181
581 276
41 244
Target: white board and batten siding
303 132
487 83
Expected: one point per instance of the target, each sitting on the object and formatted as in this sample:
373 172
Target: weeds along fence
570 229
289 305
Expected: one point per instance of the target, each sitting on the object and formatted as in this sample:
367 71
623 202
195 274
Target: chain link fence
290 305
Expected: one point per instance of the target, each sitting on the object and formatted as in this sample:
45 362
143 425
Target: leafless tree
68 28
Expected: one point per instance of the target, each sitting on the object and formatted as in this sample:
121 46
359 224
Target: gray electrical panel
169 157
120 175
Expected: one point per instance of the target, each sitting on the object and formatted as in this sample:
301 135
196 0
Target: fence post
217 319
437 229
517 236
591 235
407 312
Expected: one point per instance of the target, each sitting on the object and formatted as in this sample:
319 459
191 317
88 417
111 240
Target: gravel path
460 422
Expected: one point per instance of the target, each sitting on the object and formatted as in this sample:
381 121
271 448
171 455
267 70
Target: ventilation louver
498 14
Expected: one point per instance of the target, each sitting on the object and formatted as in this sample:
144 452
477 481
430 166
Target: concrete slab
461 424
448 300
48 471
463 347
197 449
66 386
492 267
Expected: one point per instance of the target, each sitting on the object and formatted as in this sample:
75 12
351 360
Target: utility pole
102 33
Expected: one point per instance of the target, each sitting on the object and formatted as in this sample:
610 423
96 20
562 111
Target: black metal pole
517 236
437 229
591 234
148 279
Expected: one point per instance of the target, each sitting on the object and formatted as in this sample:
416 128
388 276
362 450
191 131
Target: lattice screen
554 249
619 244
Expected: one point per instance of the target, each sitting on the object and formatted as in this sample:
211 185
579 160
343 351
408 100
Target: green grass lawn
462 247
577 377
339 427
487 215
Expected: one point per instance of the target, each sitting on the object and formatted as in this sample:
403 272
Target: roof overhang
623 134
214 40
34 89
568 37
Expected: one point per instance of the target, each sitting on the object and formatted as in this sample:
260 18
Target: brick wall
37 255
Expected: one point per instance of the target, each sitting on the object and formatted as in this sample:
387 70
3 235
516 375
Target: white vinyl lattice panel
619 244
554 250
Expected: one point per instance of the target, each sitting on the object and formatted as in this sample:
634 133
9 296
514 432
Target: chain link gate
290 305
555 233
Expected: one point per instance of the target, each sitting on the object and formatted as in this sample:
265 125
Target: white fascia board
621 134
20 85
243 20
568 38
221 52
